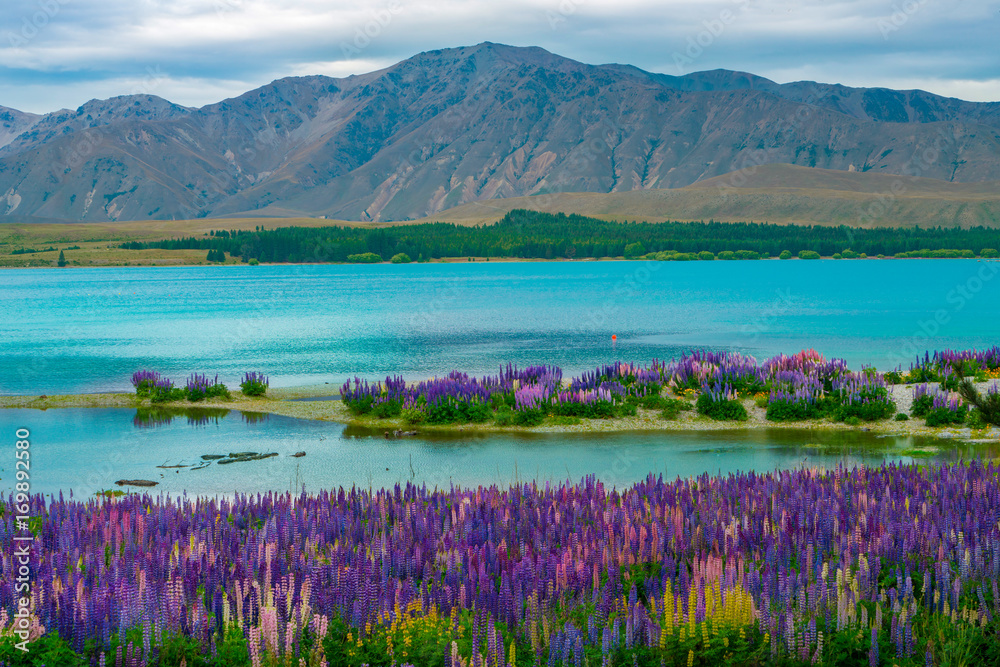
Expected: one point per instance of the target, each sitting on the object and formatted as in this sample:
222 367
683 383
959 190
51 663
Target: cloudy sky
61 53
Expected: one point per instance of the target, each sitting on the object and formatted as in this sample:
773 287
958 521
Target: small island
952 394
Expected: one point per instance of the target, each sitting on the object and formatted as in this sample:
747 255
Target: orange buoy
614 337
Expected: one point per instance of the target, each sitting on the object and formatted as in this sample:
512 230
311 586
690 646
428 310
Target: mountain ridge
453 126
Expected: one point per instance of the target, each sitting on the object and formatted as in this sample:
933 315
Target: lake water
85 450
87 330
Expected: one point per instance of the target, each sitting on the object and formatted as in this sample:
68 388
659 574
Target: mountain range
449 127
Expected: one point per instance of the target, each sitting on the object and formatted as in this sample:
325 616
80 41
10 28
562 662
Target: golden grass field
97 240
783 194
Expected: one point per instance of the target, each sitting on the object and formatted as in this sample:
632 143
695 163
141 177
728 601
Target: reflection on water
154 416
255 417
88 450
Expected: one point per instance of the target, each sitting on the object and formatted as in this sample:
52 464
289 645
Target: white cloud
215 48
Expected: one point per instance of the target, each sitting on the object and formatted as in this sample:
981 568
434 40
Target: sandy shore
282 402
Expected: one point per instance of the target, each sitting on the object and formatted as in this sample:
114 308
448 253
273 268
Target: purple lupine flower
198 382
531 397
144 376
255 378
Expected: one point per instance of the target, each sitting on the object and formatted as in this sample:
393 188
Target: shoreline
287 402
134 264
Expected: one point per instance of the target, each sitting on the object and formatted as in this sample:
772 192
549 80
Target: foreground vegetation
896 565
536 235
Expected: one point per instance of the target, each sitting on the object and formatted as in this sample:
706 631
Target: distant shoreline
480 260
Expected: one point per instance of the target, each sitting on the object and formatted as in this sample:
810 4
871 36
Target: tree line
537 235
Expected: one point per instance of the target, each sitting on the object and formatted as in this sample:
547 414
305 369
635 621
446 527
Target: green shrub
476 411
783 411
989 253
48 650
747 254
902 417
401 258
808 254
254 386
672 408
837 255
725 410
653 402
870 404
705 255
785 254
164 395
504 416
364 258
144 389
596 410
893 377
624 410
560 420
529 417
253 261
868 411
761 401
360 406
181 649
922 374
975 419
849 254
443 412
633 250
217 391
503 400
387 409
414 416
726 254
922 406
944 416
853 421
194 394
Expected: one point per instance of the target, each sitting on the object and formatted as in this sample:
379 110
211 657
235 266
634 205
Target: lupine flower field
895 565
798 387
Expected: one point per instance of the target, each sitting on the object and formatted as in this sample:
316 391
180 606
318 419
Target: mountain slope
449 127
13 123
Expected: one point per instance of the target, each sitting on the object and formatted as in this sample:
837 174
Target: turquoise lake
87 330
85 450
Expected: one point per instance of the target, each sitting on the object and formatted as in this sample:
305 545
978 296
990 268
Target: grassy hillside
774 193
